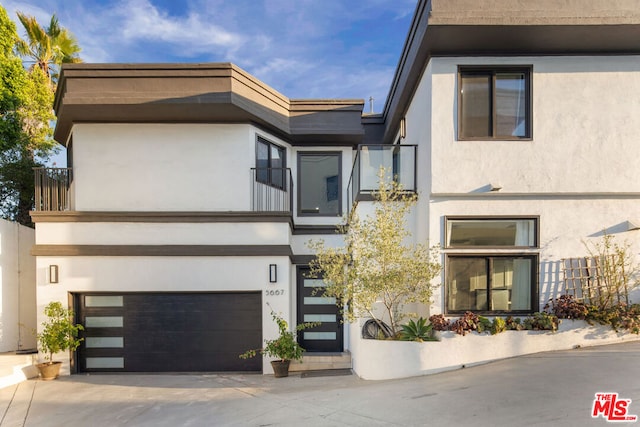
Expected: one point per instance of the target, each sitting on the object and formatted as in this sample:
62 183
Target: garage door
169 332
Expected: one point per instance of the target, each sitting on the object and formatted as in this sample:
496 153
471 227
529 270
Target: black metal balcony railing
272 190
52 189
399 162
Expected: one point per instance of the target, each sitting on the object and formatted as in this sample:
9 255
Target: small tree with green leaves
376 265
59 332
286 346
614 273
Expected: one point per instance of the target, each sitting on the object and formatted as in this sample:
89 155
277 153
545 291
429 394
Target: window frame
534 218
492 70
492 252
489 257
299 177
269 179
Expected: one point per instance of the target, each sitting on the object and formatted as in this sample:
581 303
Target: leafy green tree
48 47
376 267
26 101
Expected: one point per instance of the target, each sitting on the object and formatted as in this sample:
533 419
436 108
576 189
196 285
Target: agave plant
417 331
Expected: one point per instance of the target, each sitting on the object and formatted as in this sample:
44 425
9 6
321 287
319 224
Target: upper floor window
319 184
270 164
494 103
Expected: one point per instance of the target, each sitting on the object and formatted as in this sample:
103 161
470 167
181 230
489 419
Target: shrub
439 322
498 325
541 321
514 324
567 307
466 323
619 316
484 324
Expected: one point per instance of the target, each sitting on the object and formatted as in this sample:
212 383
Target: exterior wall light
403 128
53 273
495 187
273 273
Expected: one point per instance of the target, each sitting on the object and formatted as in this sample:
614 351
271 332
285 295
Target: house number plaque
274 292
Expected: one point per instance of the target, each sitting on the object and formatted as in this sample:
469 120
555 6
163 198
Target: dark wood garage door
169 332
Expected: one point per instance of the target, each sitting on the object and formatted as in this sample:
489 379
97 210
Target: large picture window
491 283
270 164
319 184
500 279
494 103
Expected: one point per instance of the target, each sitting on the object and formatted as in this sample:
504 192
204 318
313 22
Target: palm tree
48 47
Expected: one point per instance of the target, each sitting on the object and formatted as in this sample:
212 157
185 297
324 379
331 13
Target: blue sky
302 48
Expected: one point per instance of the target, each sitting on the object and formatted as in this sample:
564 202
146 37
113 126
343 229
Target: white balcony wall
122 233
164 167
586 121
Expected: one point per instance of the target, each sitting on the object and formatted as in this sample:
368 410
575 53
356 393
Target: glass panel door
313 306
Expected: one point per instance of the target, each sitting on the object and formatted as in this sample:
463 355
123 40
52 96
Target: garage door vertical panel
102 348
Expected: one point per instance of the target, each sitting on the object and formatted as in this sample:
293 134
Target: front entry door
315 307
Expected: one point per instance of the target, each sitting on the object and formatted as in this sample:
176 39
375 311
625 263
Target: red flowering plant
285 347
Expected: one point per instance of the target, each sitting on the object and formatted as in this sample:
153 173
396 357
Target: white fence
17 287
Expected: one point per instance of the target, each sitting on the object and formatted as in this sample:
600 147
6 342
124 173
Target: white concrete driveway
547 389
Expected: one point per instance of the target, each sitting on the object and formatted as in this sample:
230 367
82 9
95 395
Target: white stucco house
192 189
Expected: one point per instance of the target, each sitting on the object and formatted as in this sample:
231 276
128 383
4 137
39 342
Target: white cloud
141 20
303 48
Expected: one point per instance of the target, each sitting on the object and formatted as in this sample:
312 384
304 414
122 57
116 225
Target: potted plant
59 333
285 348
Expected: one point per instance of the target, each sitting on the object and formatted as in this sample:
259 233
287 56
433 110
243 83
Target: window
319 184
501 279
485 284
270 164
491 232
494 103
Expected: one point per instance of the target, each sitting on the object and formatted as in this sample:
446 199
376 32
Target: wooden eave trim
302 259
316 229
163 217
161 250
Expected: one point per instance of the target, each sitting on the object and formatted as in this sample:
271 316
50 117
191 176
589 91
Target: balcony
52 189
272 190
399 162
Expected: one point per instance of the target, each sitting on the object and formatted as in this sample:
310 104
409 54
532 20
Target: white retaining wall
384 360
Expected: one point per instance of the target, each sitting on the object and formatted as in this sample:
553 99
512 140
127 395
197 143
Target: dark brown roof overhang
197 93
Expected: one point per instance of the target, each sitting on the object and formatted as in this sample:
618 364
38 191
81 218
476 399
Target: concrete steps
321 362
15 368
